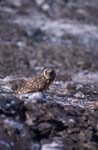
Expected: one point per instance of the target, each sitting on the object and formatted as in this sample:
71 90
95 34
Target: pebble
79 95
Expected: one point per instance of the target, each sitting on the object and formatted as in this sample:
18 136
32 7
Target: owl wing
36 83
15 84
33 85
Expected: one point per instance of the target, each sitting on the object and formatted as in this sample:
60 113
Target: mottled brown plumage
16 84
37 83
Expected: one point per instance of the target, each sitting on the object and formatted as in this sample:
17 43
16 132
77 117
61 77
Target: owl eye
51 73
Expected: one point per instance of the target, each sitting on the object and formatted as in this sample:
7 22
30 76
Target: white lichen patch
55 145
33 97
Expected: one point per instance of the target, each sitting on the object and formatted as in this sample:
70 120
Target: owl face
49 74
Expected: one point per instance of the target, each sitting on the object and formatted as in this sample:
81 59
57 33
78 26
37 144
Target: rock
79 95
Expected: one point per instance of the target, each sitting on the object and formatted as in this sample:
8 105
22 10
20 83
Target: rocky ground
62 34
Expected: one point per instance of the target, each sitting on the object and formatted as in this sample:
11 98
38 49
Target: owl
37 83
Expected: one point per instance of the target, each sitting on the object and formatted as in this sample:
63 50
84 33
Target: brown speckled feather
35 84
16 84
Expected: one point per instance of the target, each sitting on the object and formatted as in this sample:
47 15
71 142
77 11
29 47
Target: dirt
58 34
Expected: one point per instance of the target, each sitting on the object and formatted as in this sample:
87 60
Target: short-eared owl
37 83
